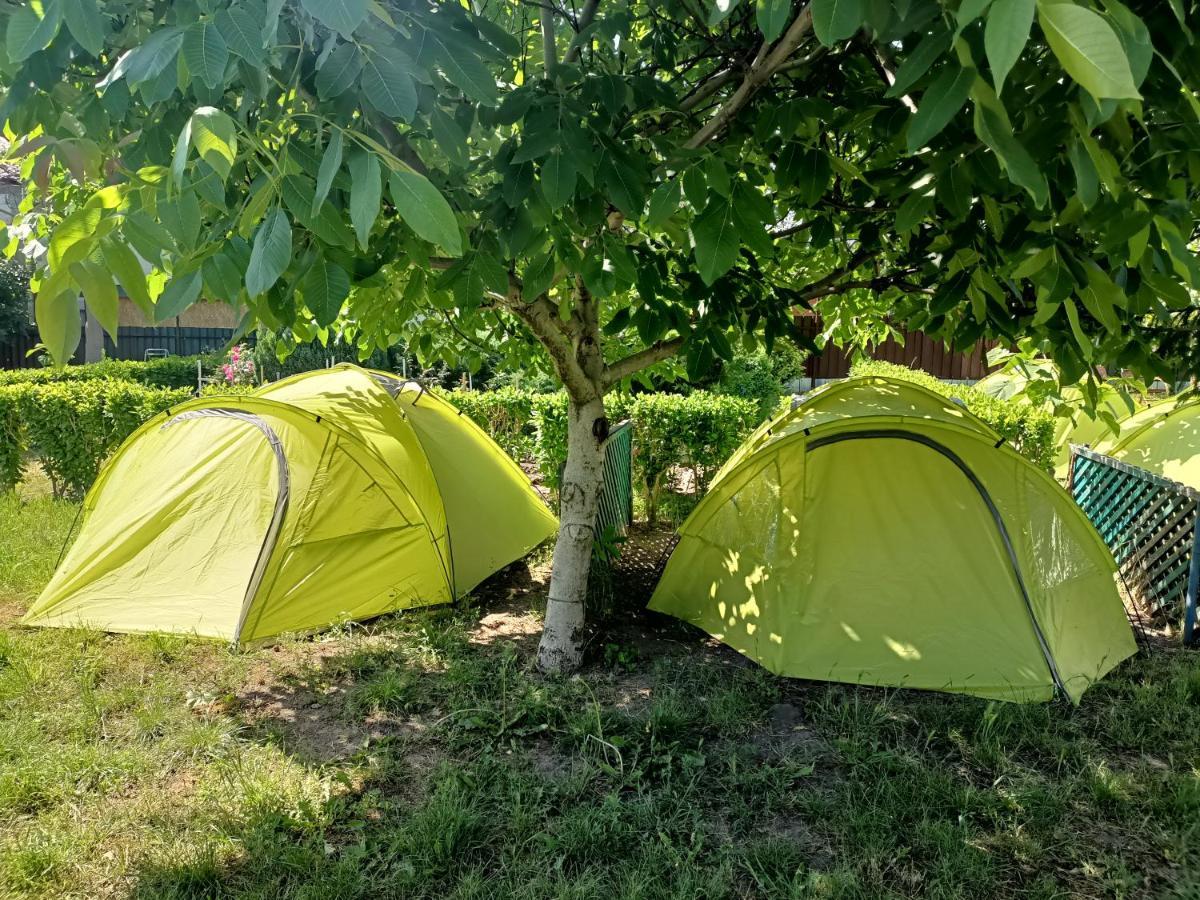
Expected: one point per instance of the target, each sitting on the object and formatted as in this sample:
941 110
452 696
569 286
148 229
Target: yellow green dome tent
880 534
1076 425
335 495
1163 438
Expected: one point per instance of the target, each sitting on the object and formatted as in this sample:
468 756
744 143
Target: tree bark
561 647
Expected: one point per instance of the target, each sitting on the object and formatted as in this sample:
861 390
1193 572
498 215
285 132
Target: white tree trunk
561 648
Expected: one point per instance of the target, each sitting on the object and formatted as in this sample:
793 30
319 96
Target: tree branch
635 362
789 230
549 50
586 16
765 64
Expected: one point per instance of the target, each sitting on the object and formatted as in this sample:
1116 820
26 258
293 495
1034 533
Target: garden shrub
1028 429
224 389
166 372
505 413
12 436
73 426
697 431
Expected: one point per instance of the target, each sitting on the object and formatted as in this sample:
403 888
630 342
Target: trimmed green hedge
74 425
505 413
697 431
12 436
1028 429
167 372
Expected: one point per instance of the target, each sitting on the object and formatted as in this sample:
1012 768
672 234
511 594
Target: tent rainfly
1163 438
880 534
332 496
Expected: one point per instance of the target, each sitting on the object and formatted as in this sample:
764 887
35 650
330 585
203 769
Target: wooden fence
917 351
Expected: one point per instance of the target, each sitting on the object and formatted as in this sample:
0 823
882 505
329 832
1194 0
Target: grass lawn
423 757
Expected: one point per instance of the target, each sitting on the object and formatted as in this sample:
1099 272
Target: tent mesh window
1152 526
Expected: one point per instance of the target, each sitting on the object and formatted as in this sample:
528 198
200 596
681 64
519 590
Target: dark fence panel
14 350
612 520
616 498
1152 526
133 342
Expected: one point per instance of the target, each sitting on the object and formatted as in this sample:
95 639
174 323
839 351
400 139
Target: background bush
696 431
14 297
167 372
505 413
761 376
74 425
1029 430
12 436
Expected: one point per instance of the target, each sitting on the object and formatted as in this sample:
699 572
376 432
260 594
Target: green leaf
939 104
342 16
152 57
558 179
695 187
183 145
968 11
72 239
328 224
85 24
241 26
466 71
100 293
331 162
836 20
146 236
719 11
180 293
472 276
1087 180
270 27
538 276
913 211
623 186
222 278
389 87
205 53
325 288
1135 38
214 136
664 203
994 129
1007 31
450 138
1086 347
425 210
772 17
122 262
919 61
813 174
57 315
270 254
339 71
1102 298
262 194
366 190
715 235
1088 49
31 28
